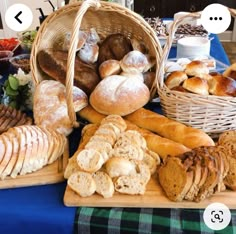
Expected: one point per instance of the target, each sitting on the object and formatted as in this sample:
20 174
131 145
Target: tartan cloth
145 220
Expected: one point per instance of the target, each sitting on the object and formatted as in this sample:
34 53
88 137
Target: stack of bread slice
194 175
25 149
111 159
10 117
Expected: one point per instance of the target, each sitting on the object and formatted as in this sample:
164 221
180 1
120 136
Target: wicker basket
212 114
107 18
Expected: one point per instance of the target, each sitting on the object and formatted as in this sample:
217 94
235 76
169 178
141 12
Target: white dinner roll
134 61
119 95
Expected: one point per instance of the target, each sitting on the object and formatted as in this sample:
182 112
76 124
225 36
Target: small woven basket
212 114
107 18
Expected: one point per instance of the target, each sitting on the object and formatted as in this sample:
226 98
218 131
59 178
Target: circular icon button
217 216
19 17
215 18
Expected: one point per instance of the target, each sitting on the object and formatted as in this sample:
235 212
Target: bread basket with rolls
71 21
194 95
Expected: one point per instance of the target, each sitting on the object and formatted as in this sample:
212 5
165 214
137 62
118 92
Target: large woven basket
107 18
212 114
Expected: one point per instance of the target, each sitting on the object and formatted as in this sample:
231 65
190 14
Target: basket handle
169 41
71 56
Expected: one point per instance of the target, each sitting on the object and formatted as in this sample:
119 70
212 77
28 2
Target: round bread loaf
119 95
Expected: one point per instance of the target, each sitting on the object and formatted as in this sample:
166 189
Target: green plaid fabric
145 220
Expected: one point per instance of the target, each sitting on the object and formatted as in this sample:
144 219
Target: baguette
161 146
176 131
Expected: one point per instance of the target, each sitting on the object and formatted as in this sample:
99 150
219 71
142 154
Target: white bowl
193 46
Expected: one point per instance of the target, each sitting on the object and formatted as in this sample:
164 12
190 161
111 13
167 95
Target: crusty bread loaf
119 95
54 64
50 98
104 184
162 146
170 129
82 183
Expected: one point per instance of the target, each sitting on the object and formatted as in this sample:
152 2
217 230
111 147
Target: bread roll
109 67
196 67
170 129
134 61
222 86
119 95
175 79
196 85
89 53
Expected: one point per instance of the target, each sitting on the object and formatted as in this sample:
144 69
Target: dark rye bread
175 179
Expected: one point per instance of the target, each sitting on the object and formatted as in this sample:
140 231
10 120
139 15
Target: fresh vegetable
8 43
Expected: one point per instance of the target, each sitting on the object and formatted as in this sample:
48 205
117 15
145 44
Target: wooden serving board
50 174
153 198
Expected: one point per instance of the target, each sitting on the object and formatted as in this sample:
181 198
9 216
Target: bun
134 61
175 78
115 46
54 64
89 53
222 86
196 85
109 67
119 95
170 129
231 71
196 67
119 166
180 89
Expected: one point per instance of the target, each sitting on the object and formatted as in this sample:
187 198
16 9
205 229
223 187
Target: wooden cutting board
153 198
50 174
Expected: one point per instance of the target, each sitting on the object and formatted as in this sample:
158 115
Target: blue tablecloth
40 209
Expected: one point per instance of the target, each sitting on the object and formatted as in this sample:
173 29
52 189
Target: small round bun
195 68
134 61
119 95
196 85
175 79
109 67
220 85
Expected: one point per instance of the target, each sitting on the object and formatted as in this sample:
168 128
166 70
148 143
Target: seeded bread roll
119 95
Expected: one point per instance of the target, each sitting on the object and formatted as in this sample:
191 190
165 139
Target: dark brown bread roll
54 64
115 46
